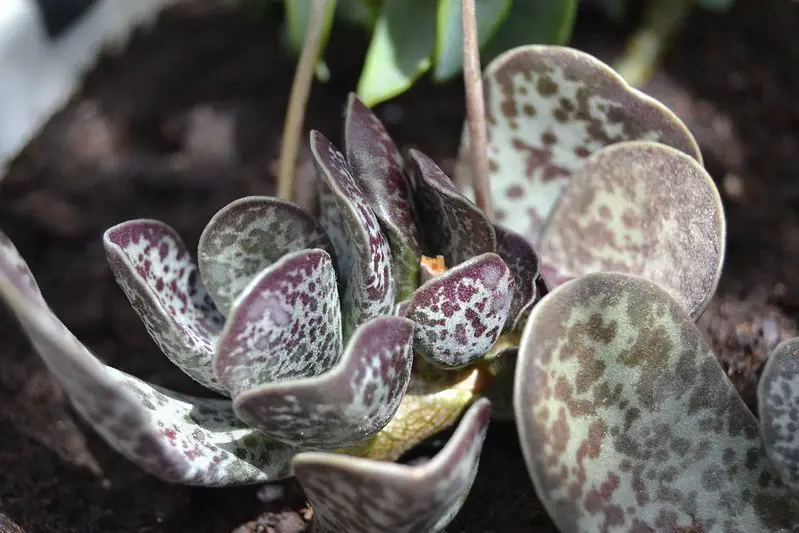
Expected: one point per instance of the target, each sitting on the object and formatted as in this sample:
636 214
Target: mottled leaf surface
778 403
366 496
377 168
346 405
453 226
524 264
157 274
460 314
356 233
174 437
248 235
646 209
285 325
628 423
547 109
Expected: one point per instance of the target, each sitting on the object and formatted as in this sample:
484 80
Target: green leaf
533 22
448 57
358 12
298 14
400 50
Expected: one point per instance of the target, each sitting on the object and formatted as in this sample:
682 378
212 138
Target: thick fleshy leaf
524 263
357 238
174 437
248 235
628 423
157 274
547 109
778 403
366 496
346 405
452 225
428 408
642 208
460 314
377 168
285 325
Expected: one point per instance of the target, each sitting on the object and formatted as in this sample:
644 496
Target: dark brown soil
188 118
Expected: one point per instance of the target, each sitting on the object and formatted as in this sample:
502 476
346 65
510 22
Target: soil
188 118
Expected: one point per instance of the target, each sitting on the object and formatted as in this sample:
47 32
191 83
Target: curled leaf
778 403
524 264
175 437
344 406
286 324
377 168
248 235
454 227
547 109
460 314
646 209
157 274
359 242
366 496
628 423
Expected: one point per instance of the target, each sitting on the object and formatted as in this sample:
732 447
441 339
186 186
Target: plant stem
475 107
298 101
646 47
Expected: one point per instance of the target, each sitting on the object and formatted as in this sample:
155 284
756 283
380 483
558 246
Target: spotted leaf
344 406
547 109
524 263
157 274
365 496
778 402
460 314
377 168
628 423
646 209
370 287
285 325
172 436
248 235
454 227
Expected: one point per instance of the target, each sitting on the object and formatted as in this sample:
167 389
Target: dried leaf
248 235
460 314
366 496
346 405
157 274
646 209
627 421
285 325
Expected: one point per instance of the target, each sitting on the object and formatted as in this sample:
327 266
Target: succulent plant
340 341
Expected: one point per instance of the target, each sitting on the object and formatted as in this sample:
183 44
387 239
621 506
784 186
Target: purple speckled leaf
459 315
363 250
778 403
452 225
285 325
377 167
524 263
367 496
547 109
174 437
248 235
155 270
628 423
346 405
646 209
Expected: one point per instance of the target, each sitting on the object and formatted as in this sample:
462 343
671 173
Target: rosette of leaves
628 422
